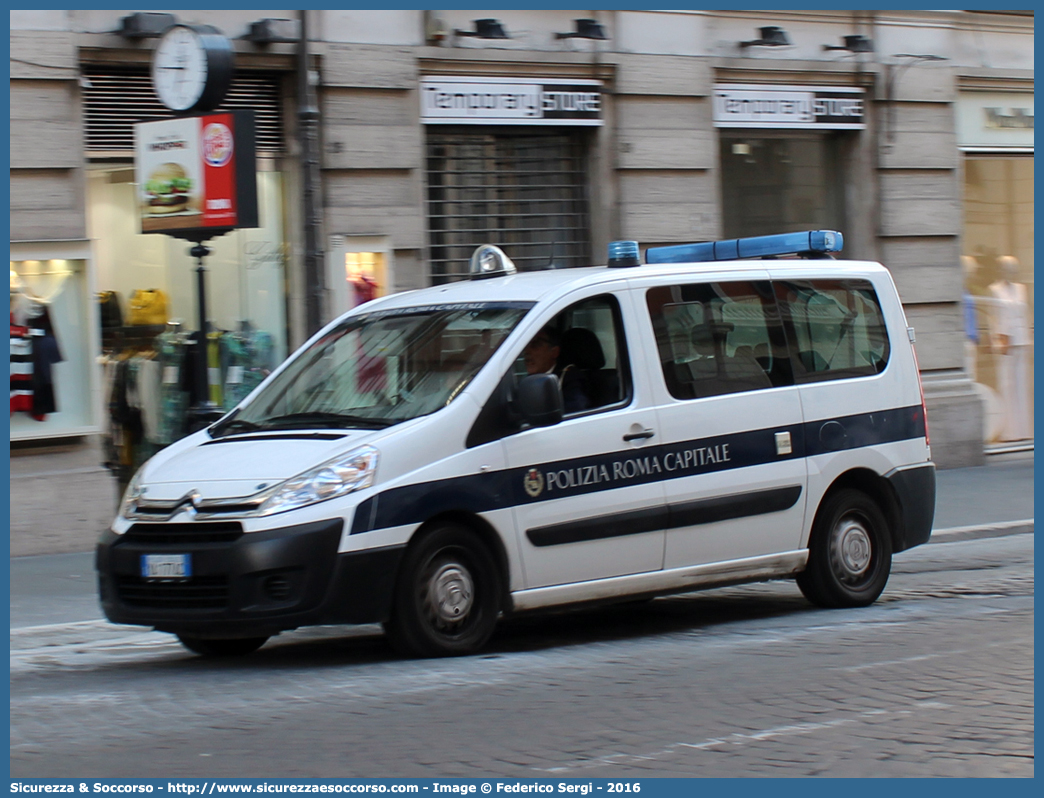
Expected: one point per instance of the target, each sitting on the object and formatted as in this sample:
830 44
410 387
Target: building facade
549 133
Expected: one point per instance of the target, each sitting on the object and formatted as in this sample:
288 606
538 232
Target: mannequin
971 318
361 285
1011 343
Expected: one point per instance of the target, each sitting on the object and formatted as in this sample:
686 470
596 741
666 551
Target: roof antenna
551 258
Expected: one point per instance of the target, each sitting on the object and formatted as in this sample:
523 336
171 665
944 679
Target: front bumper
244 584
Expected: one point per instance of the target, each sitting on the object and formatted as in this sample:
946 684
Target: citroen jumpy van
717 415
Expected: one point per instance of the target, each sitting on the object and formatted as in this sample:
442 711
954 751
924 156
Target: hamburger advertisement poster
196 174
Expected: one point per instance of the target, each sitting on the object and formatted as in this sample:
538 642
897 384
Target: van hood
242 465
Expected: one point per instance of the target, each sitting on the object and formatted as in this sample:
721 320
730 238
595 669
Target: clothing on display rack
125 443
173 399
247 357
152 381
214 381
110 308
21 368
34 351
145 411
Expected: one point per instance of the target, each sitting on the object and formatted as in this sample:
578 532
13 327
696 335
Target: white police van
715 416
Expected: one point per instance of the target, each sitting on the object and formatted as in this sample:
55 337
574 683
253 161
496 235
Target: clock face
179 68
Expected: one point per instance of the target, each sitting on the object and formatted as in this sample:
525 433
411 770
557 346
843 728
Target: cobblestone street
936 679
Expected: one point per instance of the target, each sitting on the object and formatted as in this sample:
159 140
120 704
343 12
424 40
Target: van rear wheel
850 552
222 646
447 597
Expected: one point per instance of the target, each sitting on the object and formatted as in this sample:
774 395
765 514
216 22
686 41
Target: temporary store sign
802 107
196 174
510 101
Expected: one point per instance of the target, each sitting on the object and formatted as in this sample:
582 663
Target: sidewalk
995 499
62 502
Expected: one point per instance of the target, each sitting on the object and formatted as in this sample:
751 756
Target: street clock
192 68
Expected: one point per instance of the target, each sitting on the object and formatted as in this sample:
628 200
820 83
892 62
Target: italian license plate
166 566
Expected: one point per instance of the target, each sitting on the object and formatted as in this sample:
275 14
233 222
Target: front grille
197 593
278 587
183 534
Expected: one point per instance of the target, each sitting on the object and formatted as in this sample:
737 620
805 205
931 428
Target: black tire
222 647
447 597
850 552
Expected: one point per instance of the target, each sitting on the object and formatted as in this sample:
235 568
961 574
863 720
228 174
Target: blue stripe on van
479 493
668 516
864 429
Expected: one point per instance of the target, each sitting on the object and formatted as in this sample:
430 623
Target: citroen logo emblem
189 503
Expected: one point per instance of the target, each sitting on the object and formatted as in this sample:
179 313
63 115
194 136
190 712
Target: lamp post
308 122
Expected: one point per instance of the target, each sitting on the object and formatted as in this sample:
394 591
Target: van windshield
381 368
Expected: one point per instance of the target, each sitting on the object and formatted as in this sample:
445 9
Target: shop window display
50 378
998 292
364 272
34 351
359 269
148 309
776 182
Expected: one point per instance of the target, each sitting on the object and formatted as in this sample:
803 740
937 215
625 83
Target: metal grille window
117 97
525 193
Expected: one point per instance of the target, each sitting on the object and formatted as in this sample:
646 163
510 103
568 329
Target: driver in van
541 357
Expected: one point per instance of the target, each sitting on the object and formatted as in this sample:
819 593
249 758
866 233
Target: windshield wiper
234 425
323 419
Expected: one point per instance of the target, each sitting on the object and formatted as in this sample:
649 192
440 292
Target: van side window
591 361
588 353
718 338
835 328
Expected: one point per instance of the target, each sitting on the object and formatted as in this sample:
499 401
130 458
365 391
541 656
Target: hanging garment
108 364
364 288
261 346
173 398
149 376
46 353
126 421
191 383
246 359
235 363
214 375
110 309
21 368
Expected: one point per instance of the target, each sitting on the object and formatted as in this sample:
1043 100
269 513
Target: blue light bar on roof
623 253
756 247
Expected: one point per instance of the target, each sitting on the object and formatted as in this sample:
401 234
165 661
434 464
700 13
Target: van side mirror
539 399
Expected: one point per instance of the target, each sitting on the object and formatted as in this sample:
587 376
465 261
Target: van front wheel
448 595
850 552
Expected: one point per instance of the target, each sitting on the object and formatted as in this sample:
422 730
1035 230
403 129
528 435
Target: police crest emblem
534 482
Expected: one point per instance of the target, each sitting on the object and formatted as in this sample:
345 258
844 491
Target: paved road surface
936 679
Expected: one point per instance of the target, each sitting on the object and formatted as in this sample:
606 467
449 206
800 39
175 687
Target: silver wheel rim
451 594
852 550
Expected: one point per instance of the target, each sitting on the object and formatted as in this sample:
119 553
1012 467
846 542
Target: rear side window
835 328
718 338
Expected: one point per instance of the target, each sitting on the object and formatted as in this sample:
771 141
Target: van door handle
636 436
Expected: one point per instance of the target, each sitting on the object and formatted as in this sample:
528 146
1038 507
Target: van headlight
131 494
342 475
